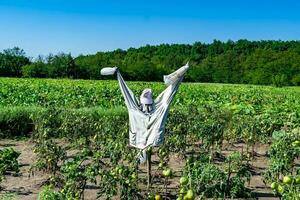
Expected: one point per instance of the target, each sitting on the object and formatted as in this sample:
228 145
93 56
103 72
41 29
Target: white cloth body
147 129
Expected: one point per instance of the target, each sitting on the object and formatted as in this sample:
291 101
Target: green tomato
167 172
280 189
190 195
287 180
274 186
133 176
161 165
297 180
183 180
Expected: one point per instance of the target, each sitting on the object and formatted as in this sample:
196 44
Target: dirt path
27 187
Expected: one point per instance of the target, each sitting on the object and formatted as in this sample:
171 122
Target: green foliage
296 80
9 196
49 154
48 193
60 66
80 133
212 125
243 61
75 174
291 186
54 66
212 181
283 152
210 112
177 130
122 177
102 146
11 62
36 69
106 94
8 161
16 121
280 80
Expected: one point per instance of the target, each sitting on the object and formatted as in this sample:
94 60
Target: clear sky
88 26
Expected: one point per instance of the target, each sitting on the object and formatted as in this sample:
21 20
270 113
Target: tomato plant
80 133
282 154
283 173
211 181
122 181
8 161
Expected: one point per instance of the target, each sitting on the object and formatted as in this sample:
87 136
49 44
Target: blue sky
88 26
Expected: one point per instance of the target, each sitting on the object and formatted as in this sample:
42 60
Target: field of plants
68 139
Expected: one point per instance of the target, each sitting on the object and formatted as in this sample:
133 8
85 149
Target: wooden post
149 153
166 188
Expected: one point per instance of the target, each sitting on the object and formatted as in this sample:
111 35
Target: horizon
87 27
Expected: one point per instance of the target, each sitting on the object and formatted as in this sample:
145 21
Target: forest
243 62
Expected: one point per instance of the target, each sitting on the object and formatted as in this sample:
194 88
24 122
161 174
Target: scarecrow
147 117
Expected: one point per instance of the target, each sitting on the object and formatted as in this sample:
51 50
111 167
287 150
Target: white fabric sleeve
176 76
108 71
173 81
130 100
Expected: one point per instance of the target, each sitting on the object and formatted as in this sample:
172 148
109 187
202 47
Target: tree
61 66
243 61
11 62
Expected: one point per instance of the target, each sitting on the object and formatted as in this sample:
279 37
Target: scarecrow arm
173 81
128 95
176 77
130 100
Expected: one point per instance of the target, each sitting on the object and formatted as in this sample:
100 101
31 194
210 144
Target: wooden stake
149 153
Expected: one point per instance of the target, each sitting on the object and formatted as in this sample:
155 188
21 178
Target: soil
26 187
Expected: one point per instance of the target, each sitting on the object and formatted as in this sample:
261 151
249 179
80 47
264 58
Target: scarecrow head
146 100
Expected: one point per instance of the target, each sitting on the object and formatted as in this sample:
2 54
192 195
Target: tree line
249 62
